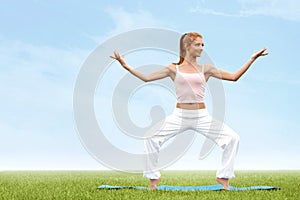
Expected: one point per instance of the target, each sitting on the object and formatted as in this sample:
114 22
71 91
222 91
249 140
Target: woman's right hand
120 59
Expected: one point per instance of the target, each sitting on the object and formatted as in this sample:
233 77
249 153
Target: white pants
200 121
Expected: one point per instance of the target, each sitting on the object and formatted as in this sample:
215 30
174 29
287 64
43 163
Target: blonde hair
186 38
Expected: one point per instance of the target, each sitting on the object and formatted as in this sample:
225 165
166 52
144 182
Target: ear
187 47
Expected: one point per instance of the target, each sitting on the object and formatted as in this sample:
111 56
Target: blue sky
43 45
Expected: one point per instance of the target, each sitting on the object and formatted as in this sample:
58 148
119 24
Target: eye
199 44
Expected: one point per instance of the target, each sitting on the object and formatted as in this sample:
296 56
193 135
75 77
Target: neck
190 59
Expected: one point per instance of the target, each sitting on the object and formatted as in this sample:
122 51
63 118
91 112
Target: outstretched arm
225 75
163 73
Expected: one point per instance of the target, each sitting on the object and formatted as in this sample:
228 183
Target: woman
190 79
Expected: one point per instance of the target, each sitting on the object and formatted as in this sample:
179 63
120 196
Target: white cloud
288 9
36 104
128 20
207 11
125 21
37 82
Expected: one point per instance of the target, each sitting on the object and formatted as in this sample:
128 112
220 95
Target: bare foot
224 182
154 183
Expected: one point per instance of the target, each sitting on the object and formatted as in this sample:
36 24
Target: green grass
83 185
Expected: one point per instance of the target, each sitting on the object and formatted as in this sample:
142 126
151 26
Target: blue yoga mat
191 188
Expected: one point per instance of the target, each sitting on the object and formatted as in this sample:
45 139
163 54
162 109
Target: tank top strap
202 68
176 68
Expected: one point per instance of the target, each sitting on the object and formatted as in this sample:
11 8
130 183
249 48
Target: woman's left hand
259 53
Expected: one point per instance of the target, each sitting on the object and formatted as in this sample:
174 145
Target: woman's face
196 48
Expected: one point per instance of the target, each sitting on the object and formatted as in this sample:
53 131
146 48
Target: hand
121 59
260 53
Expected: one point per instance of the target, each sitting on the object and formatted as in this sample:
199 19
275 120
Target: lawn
83 185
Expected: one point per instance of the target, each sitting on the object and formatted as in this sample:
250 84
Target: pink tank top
190 87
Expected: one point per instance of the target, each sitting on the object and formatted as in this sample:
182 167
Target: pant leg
229 142
156 136
225 137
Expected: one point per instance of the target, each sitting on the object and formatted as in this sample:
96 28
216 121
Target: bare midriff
190 106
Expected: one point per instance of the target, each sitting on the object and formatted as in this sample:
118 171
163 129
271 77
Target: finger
264 49
261 52
117 55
